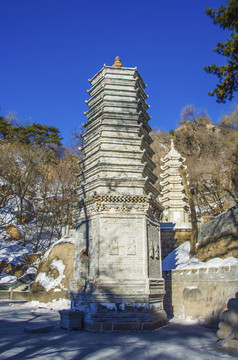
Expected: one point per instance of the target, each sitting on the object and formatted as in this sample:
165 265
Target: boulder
222 334
230 317
232 343
17 270
233 305
225 327
53 274
228 327
14 232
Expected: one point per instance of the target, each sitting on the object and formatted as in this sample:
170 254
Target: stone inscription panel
153 238
121 247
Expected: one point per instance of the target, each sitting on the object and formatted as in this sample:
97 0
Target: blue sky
50 48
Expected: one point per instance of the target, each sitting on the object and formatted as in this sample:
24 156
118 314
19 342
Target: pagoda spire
117 62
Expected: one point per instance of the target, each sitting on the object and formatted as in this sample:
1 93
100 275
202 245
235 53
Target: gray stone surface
223 222
71 320
215 286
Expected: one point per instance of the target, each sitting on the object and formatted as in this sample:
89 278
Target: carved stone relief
131 249
113 247
153 238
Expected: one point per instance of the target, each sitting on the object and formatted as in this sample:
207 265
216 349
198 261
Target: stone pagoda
117 281
172 195
175 226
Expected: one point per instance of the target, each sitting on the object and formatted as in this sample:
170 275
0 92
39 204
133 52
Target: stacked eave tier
173 203
171 173
117 164
117 93
172 165
170 181
173 155
117 151
167 196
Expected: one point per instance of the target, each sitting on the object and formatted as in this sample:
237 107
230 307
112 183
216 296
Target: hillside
211 152
38 183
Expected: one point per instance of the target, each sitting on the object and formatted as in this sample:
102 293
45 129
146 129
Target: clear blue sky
50 48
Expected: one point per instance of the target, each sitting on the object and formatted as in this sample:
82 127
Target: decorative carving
113 247
157 251
151 250
122 203
131 249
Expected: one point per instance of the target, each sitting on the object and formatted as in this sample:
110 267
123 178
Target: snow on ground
179 259
177 341
7 279
61 304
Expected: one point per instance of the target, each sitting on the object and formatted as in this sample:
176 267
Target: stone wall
199 293
171 238
219 237
14 295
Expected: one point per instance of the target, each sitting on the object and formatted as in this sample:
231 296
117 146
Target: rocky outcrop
12 269
218 237
54 272
19 269
220 245
221 223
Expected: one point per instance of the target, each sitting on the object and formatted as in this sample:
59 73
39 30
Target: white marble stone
172 196
117 281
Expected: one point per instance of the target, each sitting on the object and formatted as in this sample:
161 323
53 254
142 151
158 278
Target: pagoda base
130 322
117 314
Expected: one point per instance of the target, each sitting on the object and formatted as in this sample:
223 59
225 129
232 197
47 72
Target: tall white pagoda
172 196
117 281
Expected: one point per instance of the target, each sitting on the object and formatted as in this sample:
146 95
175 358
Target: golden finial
117 62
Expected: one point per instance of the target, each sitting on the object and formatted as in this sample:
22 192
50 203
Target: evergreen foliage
34 134
43 137
227 18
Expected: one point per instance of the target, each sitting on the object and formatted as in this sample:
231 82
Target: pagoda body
117 281
172 195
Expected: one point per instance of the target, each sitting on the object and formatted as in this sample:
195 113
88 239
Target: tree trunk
194 236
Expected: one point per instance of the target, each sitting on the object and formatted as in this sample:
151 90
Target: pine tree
34 135
4 128
227 18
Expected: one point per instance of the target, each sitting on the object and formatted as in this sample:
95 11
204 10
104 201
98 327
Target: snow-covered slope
179 259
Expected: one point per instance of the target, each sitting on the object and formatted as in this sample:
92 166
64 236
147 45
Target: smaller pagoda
172 195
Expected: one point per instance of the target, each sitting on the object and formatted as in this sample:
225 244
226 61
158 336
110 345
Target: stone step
39 328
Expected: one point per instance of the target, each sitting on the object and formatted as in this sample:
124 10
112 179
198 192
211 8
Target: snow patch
53 305
179 259
109 306
191 287
48 282
7 279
